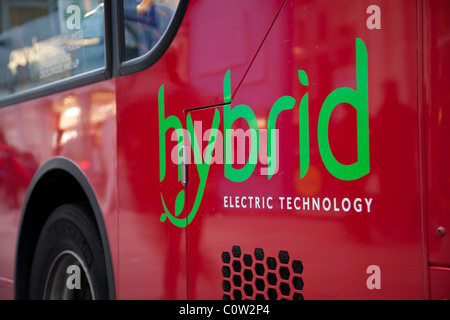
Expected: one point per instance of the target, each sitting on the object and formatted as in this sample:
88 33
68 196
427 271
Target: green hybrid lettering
201 165
359 100
229 117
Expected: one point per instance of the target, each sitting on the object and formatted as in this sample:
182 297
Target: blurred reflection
68 112
85 132
145 23
16 171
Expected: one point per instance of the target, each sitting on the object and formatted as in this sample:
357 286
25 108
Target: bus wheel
68 262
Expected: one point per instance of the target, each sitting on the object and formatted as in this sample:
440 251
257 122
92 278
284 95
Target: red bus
278 149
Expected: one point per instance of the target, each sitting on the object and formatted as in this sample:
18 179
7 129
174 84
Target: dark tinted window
146 21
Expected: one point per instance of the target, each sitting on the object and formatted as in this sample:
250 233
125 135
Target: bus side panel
308 232
437 125
439 283
78 124
213 37
436 33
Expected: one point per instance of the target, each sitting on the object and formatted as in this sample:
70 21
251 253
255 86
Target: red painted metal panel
315 228
440 283
437 125
214 36
338 243
78 124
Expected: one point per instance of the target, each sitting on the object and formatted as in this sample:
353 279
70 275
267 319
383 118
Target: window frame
115 65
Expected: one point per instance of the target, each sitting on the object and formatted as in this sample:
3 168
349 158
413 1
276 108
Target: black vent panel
256 276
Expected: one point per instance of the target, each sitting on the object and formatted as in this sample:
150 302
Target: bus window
145 23
46 41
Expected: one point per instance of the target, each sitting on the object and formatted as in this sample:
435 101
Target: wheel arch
58 181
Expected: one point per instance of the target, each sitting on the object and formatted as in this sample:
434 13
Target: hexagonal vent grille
257 277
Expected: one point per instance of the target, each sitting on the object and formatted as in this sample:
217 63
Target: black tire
69 237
